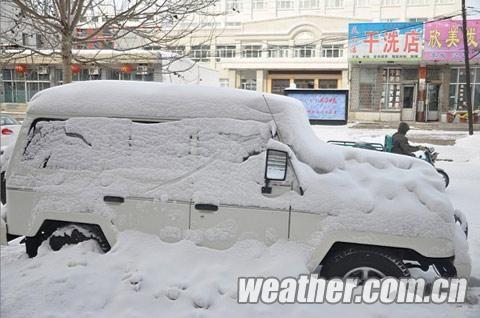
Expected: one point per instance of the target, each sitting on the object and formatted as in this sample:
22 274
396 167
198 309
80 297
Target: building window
226 51
328 84
332 51
444 1
224 82
278 51
458 94
418 2
419 20
258 4
390 3
20 87
249 84
333 4
304 83
361 3
284 4
279 86
309 4
180 50
200 53
304 51
233 5
391 89
252 51
367 88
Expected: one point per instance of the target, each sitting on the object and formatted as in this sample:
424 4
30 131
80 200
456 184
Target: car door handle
113 199
206 207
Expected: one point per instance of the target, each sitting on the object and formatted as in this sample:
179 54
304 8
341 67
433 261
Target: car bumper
462 261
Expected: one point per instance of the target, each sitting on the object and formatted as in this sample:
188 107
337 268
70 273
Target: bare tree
59 27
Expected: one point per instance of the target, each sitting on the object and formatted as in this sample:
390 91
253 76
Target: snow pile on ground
144 277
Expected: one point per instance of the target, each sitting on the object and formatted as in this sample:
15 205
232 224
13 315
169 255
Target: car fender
427 247
107 227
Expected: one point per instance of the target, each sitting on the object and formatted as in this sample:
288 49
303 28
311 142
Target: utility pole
467 69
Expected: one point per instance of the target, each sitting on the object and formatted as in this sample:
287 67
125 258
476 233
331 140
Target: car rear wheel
363 263
70 235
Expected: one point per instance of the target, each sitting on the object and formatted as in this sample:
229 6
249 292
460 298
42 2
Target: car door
258 215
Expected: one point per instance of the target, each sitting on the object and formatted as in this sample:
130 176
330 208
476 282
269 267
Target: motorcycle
430 156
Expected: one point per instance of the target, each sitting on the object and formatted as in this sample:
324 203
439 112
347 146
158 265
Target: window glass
279 85
329 84
304 83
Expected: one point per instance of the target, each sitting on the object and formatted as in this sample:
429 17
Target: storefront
384 70
444 49
394 78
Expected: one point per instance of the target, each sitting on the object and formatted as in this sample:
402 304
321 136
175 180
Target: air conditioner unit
42 70
93 70
142 70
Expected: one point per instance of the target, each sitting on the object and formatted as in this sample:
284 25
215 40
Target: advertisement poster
390 41
323 106
444 41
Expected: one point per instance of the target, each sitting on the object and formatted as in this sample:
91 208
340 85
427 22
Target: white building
266 45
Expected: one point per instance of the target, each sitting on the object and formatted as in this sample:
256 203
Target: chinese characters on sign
322 105
444 41
385 41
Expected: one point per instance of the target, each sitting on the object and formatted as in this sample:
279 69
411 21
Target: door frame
427 101
413 110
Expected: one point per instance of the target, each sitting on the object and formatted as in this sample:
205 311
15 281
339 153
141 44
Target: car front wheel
363 263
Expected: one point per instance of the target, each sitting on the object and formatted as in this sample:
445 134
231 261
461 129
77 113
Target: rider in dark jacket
400 141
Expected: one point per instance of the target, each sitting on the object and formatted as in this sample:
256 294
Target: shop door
433 91
409 102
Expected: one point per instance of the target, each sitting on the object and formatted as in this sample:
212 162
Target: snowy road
144 277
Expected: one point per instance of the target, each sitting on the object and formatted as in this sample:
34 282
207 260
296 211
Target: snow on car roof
155 100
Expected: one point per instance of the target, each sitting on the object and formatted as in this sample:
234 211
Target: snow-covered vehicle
218 165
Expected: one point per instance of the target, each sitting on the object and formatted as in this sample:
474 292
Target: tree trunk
67 58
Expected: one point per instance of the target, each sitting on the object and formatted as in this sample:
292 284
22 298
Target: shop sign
323 106
444 41
393 41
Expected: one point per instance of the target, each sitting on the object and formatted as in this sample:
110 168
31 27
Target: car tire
445 177
77 235
363 263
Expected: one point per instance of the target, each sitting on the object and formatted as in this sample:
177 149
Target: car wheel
363 263
445 177
70 235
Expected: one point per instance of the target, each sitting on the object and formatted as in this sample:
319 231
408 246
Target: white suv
218 165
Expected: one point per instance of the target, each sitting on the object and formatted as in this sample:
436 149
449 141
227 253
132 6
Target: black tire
347 260
76 236
56 242
445 177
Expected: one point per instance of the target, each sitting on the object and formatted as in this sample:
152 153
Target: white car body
167 152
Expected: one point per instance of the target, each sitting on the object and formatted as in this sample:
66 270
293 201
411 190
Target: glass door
433 91
409 102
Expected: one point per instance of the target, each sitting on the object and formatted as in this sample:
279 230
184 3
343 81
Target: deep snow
144 277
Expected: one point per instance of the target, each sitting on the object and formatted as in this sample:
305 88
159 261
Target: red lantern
21 68
126 69
76 69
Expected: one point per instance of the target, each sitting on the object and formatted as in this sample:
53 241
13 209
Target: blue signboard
323 106
385 41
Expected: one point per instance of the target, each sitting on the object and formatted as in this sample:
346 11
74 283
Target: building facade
269 45
413 72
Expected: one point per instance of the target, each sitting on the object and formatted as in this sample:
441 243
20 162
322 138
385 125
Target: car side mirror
275 168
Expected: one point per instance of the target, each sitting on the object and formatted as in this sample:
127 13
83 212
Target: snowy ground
144 277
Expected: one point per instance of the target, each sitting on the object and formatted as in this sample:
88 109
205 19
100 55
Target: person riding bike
400 141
